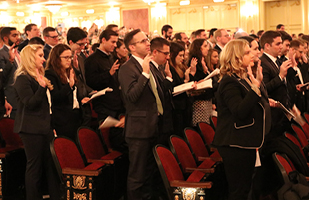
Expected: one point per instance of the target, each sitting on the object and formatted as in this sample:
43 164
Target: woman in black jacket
243 117
65 97
32 122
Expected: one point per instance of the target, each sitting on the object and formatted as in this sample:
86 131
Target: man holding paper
101 73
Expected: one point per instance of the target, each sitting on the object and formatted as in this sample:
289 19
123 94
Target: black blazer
97 67
243 116
62 99
166 126
140 102
33 111
46 51
23 44
218 49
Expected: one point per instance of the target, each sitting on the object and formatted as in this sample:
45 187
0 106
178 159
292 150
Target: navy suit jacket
46 50
141 107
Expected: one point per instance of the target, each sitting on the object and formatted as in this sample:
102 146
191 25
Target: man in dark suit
51 39
101 72
160 50
31 30
275 78
143 107
9 61
77 40
222 37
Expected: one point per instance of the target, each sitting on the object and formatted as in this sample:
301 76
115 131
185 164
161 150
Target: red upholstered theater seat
197 145
7 133
91 146
80 178
295 141
172 176
213 121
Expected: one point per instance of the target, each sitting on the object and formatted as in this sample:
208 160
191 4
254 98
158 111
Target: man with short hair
167 31
260 33
286 39
200 33
211 39
181 36
280 27
102 72
222 38
31 31
275 79
51 39
77 40
113 27
9 62
143 109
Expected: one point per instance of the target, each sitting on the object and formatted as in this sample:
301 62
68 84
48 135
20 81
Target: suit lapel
272 65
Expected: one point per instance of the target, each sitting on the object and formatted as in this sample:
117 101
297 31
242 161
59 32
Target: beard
10 42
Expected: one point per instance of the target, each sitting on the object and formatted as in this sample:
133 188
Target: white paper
214 113
212 74
100 93
182 88
109 122
204 84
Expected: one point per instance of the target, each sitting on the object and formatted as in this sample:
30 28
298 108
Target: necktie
155 91
278 62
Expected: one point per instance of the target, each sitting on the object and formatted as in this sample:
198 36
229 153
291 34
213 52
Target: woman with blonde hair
243 117
32 122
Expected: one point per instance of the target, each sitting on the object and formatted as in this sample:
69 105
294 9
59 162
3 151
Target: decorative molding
277 4
192 11
177 12
79 182
78 196
297 3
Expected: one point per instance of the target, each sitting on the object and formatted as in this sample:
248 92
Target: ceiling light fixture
64 14
53 7
217 1
20 14
90 11
184 3
149 1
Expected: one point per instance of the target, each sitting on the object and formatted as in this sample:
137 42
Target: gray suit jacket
9 79
141 108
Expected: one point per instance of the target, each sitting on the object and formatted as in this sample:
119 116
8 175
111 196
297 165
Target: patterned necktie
155 91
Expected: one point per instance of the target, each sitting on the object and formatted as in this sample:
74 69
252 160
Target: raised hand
71 78
205 68
12 53
259 75
193 66
284 67
114 68
40 79
75 61
167 70
187 75
146 66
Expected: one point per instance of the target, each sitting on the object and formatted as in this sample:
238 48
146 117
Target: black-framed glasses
165 53
67 57
143 41
54 37
81 44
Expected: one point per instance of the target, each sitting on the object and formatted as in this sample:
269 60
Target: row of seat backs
7 135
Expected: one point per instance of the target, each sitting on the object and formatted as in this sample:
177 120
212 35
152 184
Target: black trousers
239 165
39 160
142 168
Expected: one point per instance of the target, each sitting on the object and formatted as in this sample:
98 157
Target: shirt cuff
169 78
146 75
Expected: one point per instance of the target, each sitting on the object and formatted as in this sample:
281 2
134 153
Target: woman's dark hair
248 38
175 48
208 60
54 62
119 43
195 49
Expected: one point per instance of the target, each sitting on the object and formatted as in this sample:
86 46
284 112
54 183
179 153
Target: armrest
216 159
81 172
212 149
5 151
110 162
207 171
177 183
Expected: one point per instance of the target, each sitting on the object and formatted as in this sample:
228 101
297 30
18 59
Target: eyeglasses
165 53
67 57
81 44
54 37
143 41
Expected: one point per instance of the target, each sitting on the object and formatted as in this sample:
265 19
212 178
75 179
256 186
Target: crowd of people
46 87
